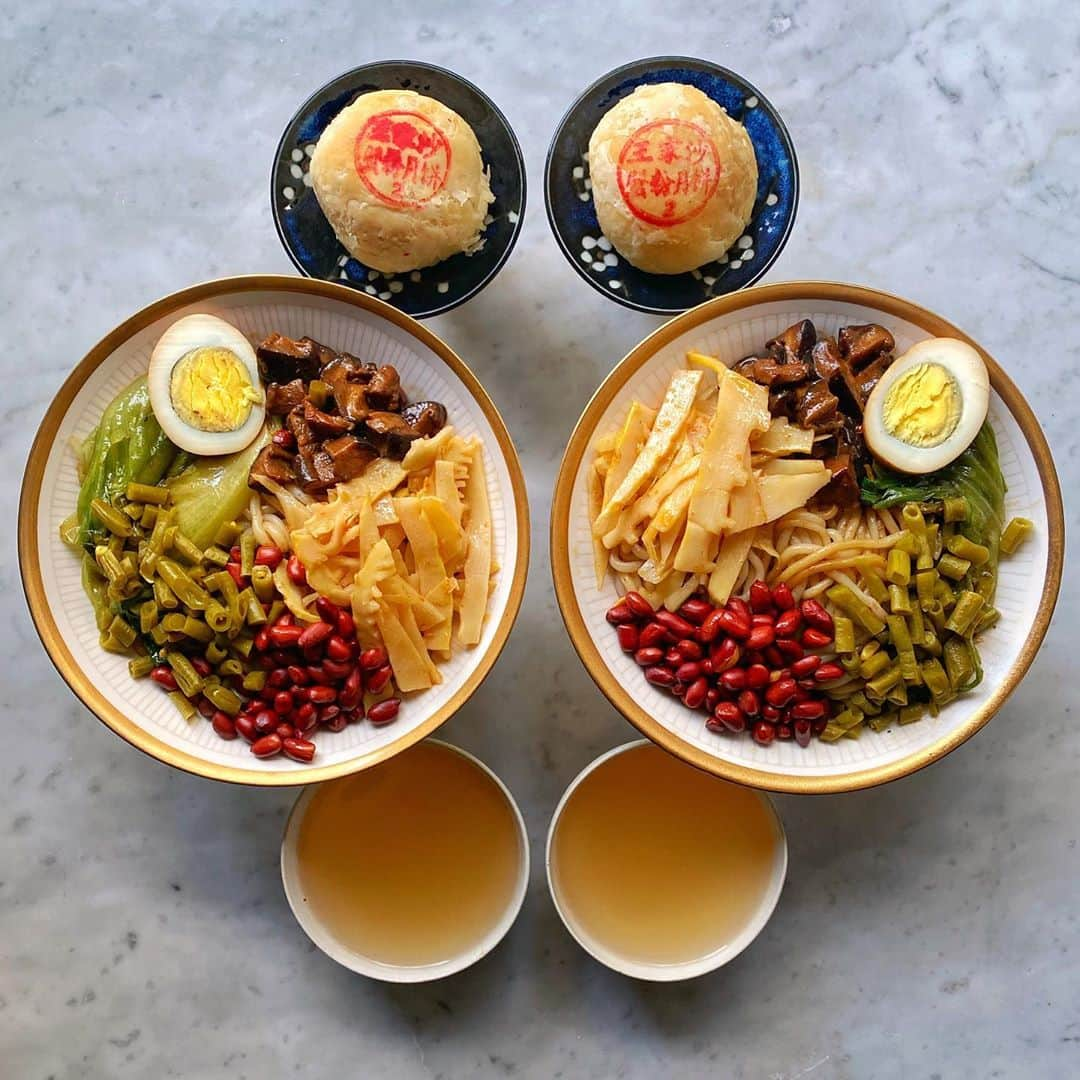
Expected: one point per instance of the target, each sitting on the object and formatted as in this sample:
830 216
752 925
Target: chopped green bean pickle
172 607
1016 532
938 596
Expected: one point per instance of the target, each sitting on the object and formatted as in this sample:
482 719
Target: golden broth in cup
412 862
658 862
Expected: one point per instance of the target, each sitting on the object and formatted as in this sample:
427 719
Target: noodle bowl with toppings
287 576
779 573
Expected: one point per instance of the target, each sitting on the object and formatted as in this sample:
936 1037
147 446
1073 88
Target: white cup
659 972
323 936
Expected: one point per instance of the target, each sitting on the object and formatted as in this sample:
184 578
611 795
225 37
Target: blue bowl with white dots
310 241
572 215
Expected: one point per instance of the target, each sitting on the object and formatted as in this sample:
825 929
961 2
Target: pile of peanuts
753 665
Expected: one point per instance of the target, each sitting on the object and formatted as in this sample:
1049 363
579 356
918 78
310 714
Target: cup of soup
662 871
411 870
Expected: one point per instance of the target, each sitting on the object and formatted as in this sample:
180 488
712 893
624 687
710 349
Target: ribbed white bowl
732 328
64 617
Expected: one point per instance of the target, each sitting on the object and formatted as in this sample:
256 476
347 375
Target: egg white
966 367
194 332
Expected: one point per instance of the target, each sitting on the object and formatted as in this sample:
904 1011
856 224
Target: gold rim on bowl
30 569
560 549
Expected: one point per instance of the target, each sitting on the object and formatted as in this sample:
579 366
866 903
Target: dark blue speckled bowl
311 243
573 217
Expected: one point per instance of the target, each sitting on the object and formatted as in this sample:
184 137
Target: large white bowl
735 326
138 710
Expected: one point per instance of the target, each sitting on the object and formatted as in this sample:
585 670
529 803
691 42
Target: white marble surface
928 929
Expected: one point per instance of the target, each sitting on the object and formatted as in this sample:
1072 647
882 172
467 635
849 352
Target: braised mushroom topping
816 406
282 398
427 417
275 464
316 469
340 411
348 379
844 486
769 371
322 353
390 433
281 359
863 343
825 356
823 383
384 390
794 343
350 456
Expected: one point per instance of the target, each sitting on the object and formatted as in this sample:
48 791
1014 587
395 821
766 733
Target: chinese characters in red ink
402 158
668 171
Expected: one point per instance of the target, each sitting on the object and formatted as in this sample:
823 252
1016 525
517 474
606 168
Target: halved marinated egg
204 386
928 406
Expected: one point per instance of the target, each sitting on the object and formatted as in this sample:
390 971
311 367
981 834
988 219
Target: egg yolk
923 407
211 390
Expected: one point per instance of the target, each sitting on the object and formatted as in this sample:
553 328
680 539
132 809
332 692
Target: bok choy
127 446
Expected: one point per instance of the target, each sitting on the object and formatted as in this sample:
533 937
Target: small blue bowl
572 214
311 243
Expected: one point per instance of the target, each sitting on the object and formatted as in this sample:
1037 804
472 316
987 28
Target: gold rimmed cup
432 902
732 327
657 887
257 305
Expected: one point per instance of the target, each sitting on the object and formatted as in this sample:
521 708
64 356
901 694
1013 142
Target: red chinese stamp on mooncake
402 158
668 171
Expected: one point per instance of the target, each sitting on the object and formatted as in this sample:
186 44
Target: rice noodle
889 522
266 521
625 566
793 562
812 550
277 531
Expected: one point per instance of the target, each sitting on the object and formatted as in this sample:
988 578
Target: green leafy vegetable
127 445
213 491
85 452
179 463
975 476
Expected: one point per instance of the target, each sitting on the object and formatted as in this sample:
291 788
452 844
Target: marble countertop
928 928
